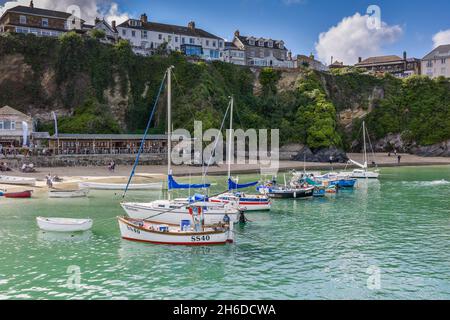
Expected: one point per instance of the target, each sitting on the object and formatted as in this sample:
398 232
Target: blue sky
410 25
299 22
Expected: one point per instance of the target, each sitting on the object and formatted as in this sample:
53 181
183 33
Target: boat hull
64 225
133 232
57 194
120 187
18 181
365 175
18 195
291 194
247 202
175 216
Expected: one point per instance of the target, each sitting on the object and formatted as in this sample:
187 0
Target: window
133 33
124 32
183 40
7 125
176 39
430 64
220 44
160 36
44 22
1 124
169 38
191 40
207 43
444 60
13 125
252 42
261 43
270 44
23 19
144 34
214 44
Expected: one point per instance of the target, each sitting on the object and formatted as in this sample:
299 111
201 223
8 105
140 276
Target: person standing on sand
399 159
49 181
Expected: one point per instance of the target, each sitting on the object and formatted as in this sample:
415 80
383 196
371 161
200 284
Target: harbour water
388 239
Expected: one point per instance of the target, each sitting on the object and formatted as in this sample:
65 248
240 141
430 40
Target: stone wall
84 160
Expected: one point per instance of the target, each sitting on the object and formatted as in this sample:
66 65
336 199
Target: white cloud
90 9
440 38
352 38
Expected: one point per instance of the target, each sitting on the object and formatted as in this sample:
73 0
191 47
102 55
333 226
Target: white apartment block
233 54
147 37
437 62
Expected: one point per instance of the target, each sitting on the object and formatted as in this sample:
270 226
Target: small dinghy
83 193
120 187
63 224
18 195
19 181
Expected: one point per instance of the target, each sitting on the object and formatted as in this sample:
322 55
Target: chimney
191 25
113 24
332 58
31 4
144 18
97 20
359 60
237 33
405 56
290 55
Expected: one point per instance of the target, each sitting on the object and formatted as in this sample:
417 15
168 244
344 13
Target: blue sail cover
173 185
235 186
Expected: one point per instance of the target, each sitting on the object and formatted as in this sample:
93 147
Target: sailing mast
169 122
230 138
365 147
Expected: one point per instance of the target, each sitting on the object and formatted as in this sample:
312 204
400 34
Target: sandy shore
144 174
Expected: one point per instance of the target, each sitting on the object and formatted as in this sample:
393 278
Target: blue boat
344 183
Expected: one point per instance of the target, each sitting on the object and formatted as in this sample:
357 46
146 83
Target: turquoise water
389 239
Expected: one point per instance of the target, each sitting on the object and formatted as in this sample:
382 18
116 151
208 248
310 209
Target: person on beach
399 159
49 181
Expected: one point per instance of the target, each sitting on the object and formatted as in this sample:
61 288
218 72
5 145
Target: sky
340 29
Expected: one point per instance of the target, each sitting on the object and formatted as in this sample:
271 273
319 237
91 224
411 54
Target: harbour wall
83 160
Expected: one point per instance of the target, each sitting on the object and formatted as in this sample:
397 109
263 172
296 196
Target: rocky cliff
96 88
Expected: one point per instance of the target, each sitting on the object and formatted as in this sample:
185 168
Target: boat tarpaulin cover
173 185
235 186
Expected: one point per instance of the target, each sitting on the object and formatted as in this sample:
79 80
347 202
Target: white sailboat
173 211
363 173
260 202
120 186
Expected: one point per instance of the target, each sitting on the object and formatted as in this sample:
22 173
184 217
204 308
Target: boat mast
365 147
169 122
230 138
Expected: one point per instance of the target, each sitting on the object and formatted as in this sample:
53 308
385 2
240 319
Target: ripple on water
320 249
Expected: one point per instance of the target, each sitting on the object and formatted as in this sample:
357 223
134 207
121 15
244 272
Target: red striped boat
19 195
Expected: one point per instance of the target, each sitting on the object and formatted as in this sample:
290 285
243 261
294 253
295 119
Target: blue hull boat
344 183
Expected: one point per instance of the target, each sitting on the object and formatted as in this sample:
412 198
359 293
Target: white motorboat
17 181
120 186
174 211
64 224
83 193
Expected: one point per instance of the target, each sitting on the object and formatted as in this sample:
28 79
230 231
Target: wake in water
434 183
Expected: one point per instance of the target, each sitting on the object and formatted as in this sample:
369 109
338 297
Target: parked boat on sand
55 193
18 195
19 181
120 186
